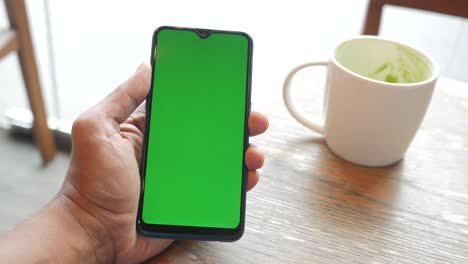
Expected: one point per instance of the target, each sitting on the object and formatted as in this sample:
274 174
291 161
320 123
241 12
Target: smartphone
193 173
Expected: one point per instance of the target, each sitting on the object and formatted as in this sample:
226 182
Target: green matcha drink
384 61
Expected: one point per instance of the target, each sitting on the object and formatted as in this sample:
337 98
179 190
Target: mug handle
289 101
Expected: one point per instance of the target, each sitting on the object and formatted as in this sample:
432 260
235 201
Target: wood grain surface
312 207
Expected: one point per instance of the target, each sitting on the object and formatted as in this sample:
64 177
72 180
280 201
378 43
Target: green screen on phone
196 134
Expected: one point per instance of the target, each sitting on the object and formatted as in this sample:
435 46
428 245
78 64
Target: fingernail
253 145
140 67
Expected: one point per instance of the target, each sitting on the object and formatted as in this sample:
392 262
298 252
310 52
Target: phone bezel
189 232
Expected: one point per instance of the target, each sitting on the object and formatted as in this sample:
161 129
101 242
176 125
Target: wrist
97 244
59 233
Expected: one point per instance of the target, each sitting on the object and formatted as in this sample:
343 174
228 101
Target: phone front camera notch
203 33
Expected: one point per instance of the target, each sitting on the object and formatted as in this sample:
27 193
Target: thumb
121 103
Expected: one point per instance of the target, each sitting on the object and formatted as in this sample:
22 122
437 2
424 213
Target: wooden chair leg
374 13
18 19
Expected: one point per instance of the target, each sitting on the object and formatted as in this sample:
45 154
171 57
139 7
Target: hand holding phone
102 186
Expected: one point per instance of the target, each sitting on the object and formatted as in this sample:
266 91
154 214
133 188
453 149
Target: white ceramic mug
376 95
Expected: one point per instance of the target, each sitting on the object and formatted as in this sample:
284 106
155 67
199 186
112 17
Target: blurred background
84 49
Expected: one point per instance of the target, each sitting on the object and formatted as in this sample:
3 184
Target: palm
111 182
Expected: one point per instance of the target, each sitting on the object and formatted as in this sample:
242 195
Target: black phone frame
189 232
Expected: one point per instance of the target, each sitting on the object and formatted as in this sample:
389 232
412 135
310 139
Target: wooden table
312 207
